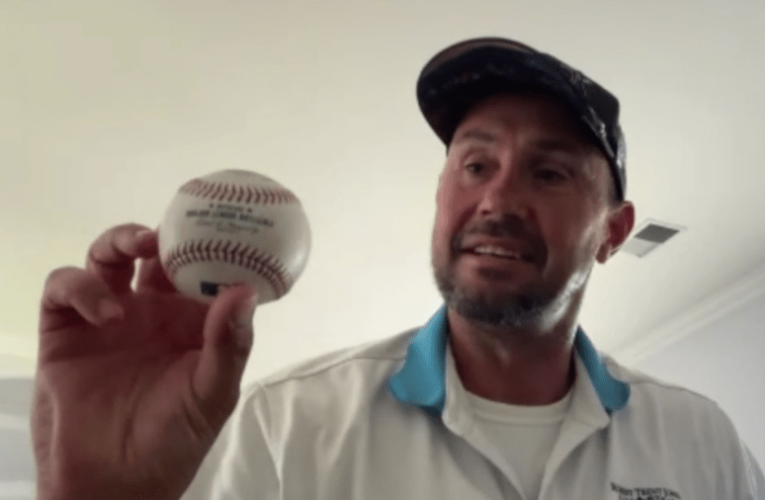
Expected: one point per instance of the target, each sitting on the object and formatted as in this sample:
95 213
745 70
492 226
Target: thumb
228 337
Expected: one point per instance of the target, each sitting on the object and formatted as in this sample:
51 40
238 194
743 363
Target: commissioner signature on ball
231 227
228 227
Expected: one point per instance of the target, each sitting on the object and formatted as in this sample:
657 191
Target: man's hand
132 386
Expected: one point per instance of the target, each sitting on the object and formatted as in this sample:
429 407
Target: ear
621 220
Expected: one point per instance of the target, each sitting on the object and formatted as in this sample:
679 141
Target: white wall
17 469
725 360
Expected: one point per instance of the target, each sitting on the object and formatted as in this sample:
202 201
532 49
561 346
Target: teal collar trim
421 379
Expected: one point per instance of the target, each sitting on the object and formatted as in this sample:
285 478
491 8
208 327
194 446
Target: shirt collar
421 378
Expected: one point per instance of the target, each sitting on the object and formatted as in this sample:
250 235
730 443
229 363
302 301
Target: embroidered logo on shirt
645 493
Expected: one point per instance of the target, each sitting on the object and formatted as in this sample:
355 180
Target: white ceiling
107 107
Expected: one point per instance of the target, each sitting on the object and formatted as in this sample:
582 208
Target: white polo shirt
391 420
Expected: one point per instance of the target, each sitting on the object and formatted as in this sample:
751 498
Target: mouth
500 252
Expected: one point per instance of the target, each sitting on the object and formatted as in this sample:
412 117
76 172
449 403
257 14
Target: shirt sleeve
240 464
738 475
754 475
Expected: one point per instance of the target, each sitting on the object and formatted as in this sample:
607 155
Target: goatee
515 310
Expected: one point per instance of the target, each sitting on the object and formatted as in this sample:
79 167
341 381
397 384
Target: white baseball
230 227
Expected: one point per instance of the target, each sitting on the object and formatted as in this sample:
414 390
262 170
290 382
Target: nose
506 194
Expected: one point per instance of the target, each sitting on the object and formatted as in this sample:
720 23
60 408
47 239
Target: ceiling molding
694 319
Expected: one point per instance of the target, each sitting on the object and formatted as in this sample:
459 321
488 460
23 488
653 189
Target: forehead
535 119
530 113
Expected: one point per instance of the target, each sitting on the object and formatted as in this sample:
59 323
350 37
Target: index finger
113 254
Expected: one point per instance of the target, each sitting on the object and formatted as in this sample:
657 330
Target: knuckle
72 281
114 232
60 276
114 238
130 228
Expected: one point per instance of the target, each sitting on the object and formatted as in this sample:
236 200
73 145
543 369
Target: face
522 214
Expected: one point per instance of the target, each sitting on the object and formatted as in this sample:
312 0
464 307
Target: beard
524 309
500 309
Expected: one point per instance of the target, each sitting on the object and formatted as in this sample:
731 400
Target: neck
521 367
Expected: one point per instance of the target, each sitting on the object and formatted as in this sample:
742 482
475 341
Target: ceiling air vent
650 235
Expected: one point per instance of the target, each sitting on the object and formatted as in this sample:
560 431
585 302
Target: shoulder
356 368
332 394
382 351
672 411
646 387
686 427
642 383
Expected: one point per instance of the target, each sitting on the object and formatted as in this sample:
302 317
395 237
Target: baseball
230 227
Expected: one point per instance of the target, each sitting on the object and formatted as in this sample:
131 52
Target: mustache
507 227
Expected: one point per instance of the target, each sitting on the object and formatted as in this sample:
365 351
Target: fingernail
143 233
109 309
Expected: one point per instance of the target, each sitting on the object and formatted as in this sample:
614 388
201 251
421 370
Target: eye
549 175
474 167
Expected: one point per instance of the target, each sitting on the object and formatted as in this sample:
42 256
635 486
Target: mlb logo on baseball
211 289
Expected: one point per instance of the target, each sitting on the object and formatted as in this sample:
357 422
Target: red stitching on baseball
192 187
226 192
205 189
267 266
219 190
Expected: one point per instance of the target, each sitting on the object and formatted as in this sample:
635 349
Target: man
499 395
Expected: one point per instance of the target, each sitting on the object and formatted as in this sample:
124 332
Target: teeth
496 251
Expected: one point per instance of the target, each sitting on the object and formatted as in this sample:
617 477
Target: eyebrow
545 145
477 136
557 145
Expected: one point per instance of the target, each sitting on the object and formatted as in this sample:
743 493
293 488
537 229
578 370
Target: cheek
449 218
567 235
583 242
442 233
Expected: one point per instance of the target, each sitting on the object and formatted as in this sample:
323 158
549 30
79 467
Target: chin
496 308
516 311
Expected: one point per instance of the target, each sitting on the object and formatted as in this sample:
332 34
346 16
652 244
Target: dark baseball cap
459 76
